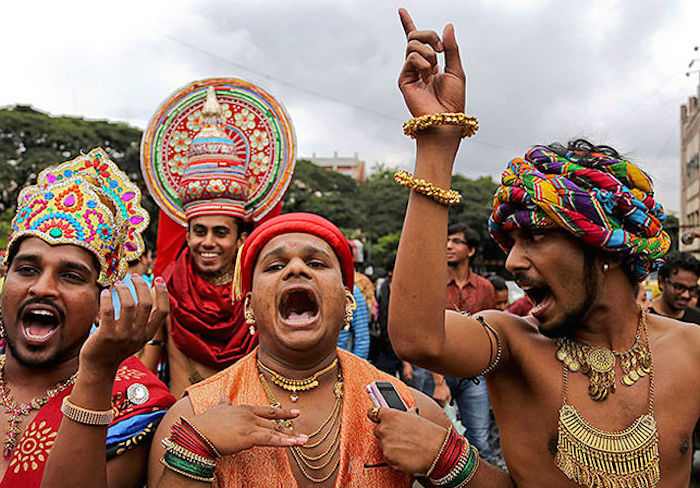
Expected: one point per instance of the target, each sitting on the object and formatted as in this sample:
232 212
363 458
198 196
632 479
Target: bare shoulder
509 325
429 409
670 336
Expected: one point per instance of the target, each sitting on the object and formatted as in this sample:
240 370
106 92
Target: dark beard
58 357
571 320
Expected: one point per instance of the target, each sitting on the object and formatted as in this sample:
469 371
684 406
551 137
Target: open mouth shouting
298 307
39 321
540 294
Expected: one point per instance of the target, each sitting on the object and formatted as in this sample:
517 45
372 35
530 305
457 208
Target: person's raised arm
103 352
420 329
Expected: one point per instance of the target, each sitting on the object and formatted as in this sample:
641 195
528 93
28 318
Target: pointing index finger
406 21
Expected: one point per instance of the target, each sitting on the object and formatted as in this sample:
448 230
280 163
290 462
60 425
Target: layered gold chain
306 457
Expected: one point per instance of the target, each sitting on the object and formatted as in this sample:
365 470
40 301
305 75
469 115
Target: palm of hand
441 92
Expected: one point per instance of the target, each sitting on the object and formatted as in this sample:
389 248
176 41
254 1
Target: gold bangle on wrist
419 185
437 458
469 123
100 418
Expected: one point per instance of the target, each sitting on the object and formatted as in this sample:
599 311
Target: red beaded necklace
17 410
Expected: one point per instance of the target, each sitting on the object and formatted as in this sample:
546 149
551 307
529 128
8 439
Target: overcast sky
538 71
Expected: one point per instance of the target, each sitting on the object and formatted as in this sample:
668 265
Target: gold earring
248 315
349 310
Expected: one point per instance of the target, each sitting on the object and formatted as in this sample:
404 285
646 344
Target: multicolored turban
87 202
607 202
304 223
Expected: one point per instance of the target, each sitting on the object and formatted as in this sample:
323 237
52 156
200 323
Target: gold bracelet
469 123
419 185
84 416
437 458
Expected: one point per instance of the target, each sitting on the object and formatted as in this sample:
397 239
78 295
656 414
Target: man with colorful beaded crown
580 227
67 394
296 275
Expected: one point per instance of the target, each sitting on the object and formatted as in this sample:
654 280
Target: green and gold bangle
187 468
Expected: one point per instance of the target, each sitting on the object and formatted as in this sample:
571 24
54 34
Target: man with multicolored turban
588 390
217 157
79 409
296 277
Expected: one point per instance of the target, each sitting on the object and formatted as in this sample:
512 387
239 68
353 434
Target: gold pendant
598 459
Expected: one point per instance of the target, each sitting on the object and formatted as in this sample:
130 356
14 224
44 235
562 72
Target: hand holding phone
383 394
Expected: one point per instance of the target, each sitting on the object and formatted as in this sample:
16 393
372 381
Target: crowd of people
258 355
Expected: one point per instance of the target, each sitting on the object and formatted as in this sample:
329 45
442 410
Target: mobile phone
383 394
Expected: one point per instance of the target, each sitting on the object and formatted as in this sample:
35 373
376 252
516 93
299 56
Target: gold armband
419 185
87 417
469 123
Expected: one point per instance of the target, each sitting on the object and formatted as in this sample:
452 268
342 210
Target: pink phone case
376 396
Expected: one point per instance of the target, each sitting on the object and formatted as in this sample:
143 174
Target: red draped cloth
205 325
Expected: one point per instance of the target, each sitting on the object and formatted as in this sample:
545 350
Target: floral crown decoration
88 202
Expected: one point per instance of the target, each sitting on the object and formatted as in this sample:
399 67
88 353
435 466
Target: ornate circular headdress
88 202
218 146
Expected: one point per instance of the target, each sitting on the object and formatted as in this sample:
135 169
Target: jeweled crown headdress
88 202
214 181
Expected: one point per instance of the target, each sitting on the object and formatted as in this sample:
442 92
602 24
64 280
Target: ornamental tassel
237 290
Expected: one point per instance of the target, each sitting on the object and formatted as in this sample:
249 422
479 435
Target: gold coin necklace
600 459
304 456
295 385
598 363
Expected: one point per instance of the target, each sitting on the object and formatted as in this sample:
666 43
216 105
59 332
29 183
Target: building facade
351 166
690 174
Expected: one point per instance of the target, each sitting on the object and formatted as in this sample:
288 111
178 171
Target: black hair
585 147
677 260
499 284
390 262
472 237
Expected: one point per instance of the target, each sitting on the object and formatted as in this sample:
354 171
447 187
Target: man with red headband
305 398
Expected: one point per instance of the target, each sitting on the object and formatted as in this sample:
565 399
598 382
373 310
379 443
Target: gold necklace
221 279
598 363
596 458
294 385
17 410
307 462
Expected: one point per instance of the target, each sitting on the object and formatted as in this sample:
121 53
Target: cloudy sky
539 71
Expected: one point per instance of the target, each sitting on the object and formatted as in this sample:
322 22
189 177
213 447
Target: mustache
525 281
41 301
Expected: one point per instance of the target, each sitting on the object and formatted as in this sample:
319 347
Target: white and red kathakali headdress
220 146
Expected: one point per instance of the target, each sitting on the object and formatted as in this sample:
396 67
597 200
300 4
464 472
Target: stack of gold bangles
450 197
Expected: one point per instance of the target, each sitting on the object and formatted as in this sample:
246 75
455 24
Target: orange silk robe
264 467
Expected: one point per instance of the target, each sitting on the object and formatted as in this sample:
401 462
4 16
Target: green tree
31 140
328 193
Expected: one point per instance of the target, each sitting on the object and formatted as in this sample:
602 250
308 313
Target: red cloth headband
304 223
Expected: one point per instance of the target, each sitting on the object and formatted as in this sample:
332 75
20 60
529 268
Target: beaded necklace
293 384
17 411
